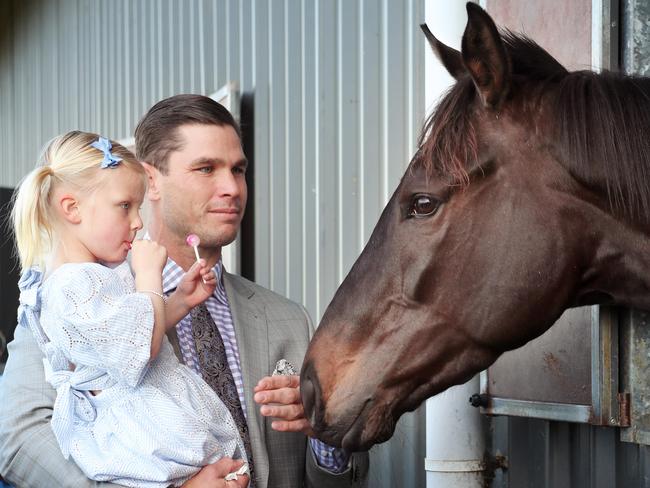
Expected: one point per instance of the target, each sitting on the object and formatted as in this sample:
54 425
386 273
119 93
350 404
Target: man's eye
423 205
239 170
125 205
205 169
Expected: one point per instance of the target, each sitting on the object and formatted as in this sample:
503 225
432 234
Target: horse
529 193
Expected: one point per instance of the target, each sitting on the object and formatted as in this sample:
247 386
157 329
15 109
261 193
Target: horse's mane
602 124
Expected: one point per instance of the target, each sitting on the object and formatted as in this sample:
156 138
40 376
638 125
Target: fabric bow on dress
30 299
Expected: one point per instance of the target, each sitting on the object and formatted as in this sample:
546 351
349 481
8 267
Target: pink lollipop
193 240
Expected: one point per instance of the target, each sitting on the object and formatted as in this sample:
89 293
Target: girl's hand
148 256
197 284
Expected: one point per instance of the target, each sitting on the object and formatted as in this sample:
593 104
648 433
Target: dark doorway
9 274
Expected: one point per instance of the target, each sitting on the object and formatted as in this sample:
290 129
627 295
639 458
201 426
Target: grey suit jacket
268 327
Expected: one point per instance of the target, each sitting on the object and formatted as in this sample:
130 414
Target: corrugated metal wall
337 94
544 454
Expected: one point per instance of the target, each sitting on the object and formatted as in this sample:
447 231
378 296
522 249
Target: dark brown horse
529 194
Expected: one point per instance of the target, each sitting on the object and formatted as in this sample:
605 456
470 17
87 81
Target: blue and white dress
155 423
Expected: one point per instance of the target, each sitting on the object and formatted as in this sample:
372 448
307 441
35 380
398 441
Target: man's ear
69 207
153 177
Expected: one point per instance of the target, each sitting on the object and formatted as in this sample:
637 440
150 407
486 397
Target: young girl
126 410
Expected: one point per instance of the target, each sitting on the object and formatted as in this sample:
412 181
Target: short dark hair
157 132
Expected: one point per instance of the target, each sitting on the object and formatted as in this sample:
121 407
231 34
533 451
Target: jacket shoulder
270 300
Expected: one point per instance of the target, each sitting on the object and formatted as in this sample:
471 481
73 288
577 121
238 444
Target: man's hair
156 135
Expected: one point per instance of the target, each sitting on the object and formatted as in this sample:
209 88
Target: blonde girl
126 410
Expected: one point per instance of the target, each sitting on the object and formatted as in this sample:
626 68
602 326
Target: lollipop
193 240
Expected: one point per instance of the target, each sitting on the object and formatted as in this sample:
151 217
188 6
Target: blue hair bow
105 146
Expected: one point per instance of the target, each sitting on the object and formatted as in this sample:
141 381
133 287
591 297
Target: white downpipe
455 437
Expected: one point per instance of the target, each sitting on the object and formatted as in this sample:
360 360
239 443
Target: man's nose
227 184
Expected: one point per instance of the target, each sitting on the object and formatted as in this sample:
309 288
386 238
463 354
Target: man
191 150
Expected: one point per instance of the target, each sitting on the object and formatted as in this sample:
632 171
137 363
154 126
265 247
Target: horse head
519 203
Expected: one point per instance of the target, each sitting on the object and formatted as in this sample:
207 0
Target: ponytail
32 219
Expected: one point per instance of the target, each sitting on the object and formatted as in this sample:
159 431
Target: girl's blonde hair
70 160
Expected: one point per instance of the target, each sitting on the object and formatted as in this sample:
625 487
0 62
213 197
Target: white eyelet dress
154 424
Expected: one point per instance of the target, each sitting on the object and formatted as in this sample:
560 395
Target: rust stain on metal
624 409
492 464
553 364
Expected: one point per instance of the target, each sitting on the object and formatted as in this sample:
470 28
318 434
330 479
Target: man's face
204 191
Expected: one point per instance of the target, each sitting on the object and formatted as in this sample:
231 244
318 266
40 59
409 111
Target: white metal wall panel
338 101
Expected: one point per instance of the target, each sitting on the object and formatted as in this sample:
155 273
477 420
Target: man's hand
213 475
280 398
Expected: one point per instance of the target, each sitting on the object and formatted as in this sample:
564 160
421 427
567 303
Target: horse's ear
485 56
449 57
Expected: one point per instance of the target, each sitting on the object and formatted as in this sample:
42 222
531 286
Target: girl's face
110 216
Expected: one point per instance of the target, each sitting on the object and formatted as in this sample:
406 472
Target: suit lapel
251 331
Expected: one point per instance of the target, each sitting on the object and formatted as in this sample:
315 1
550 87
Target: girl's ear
152 181
69 207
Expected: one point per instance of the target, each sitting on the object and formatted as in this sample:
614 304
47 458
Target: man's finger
284 412
226 465
285 396
240 482
214 474
279 381
293 426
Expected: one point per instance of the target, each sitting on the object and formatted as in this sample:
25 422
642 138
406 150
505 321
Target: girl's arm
147 283
148 259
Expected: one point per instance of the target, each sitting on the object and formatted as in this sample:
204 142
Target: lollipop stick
193 240
196 253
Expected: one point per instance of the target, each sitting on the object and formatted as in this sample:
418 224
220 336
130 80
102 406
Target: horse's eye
423 205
